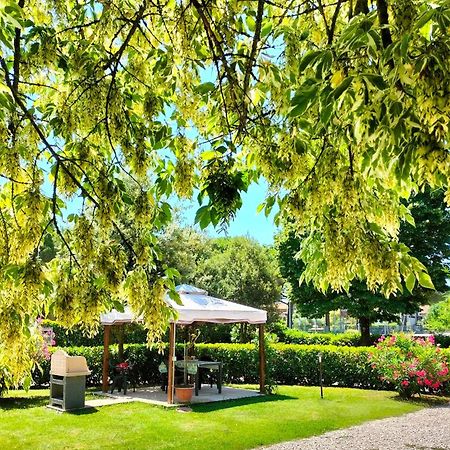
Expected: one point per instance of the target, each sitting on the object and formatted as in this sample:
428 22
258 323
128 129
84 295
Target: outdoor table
211 365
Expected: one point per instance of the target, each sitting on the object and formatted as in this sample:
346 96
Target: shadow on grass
225 404
82 412
23 402
424 400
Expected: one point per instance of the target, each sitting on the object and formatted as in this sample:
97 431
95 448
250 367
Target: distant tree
183 248
242 270
429 238
429 241
438 317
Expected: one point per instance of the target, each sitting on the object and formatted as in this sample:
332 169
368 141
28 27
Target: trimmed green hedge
349 339
287 364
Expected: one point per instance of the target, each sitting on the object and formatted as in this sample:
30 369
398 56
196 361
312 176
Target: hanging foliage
343 108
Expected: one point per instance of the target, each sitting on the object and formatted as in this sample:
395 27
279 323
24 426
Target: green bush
291 336
290 364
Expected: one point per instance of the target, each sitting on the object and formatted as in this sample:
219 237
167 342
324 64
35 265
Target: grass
294 413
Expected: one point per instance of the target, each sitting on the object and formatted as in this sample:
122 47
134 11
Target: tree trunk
327 322
364 325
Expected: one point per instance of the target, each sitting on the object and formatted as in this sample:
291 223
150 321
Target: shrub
290 336
411 365
289 364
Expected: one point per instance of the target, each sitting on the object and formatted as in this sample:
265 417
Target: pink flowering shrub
47 341
412 365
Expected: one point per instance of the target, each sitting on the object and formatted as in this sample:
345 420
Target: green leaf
342 87
171 272
204 88
425 280
404 45
207 156
375 80
308 59
118 306
302 100
325 114
426 17
251 23
410 282
266 28
203 217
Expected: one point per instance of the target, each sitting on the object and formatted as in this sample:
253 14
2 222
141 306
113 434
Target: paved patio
154 395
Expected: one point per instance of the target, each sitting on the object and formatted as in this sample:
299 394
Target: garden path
427 429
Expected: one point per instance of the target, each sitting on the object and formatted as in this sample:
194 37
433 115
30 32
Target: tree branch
383 18
251 60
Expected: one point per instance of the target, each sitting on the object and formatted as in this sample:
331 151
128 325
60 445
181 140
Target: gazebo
195 306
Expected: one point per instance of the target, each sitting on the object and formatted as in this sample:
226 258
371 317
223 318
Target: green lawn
295 412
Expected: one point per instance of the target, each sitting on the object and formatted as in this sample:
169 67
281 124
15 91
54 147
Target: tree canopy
429 239
239 269
342 108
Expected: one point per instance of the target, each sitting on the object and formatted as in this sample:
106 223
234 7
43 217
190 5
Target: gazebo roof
196 306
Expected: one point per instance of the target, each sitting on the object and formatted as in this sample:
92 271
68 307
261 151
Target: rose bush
411 365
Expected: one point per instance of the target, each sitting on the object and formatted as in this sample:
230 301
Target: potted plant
184 391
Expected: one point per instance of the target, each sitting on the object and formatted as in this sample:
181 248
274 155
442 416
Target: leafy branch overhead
107 108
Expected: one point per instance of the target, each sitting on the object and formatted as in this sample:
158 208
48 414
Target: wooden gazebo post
262 360
170 366
106 336
120 337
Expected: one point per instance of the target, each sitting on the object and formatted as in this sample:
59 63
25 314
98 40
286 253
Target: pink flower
428 382
436 385
431 339
382 338
405 383
420 382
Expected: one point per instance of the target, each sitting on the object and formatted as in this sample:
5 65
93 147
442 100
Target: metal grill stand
67 381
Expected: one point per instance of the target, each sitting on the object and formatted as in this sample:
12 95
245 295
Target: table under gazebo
195 306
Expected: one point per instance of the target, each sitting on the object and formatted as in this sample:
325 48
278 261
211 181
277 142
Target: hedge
292 336
288 364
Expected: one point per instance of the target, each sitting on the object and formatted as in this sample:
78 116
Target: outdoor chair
163 374
120 375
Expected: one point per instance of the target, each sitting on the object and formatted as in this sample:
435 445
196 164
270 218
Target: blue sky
247 222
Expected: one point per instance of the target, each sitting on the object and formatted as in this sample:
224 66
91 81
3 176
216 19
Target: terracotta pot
184 394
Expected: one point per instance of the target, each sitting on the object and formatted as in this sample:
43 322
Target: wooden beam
262 360
170 365
121 332
106 338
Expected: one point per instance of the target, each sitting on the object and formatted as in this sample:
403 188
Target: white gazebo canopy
196 306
